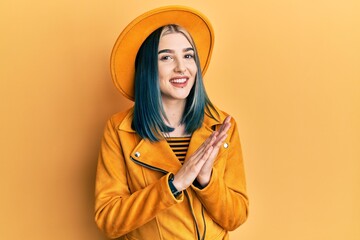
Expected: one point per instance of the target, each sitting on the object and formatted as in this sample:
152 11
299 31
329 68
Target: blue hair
149 114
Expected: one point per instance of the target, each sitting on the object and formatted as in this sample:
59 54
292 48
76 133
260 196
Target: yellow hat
130 40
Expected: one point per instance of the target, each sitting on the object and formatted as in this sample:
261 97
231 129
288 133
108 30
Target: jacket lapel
156 155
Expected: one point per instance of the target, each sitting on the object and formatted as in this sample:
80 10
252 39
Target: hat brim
123 55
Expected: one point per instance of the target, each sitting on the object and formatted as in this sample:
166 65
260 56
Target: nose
180 66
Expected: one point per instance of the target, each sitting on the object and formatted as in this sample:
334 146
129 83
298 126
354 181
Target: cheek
161 75
193 68
164 70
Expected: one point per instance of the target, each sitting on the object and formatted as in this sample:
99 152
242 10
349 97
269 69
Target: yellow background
287 70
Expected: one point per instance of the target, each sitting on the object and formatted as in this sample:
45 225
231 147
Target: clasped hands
199 165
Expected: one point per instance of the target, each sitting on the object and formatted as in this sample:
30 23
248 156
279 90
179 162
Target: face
177 67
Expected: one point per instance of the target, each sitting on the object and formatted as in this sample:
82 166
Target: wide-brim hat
130 40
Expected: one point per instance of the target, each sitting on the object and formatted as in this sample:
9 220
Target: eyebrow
172 51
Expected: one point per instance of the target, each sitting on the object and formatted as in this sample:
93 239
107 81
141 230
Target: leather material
133 198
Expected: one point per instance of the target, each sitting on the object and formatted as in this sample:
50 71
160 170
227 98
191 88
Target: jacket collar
209 122
158 155
125 124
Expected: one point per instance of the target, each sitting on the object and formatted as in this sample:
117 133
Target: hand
191 168
204 175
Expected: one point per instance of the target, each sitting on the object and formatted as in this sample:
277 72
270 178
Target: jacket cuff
166 195
210 190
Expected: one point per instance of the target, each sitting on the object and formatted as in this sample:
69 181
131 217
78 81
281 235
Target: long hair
149 114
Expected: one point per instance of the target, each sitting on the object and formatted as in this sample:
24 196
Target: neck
174 110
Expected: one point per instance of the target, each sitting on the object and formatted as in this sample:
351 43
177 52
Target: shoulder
122 120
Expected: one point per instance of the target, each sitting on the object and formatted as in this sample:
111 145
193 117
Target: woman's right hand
191 168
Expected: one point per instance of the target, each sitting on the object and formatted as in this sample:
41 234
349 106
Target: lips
179 81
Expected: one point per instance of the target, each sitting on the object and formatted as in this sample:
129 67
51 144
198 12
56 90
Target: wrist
174 190
176 183
203 180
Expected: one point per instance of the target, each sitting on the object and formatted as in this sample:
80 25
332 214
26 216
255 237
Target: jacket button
137 154
226 145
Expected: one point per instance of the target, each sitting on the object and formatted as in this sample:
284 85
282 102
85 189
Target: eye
189 56
165 58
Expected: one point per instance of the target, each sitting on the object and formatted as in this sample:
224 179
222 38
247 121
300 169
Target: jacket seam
159 229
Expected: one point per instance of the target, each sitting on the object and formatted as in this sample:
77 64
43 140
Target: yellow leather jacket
133 198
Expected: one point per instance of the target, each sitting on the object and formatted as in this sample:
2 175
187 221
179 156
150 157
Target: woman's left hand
204 175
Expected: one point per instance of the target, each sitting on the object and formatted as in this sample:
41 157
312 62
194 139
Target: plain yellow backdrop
287 70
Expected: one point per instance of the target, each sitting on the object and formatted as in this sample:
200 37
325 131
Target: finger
203 147
227 119
225 129
210 143
221 135
221 127
210 139
204 157
205 143
224 124
220 140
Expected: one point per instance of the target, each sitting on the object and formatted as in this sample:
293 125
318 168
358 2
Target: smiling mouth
179 82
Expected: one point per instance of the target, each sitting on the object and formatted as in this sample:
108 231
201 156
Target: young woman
171 166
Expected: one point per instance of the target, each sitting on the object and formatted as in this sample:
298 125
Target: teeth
178 80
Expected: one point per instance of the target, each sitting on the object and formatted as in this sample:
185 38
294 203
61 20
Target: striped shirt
179 145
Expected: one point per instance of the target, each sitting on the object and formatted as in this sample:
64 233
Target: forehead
174 40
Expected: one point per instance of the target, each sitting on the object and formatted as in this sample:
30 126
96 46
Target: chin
182 97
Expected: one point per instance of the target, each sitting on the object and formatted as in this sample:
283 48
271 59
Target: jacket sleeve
117 210
225 198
